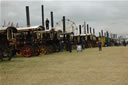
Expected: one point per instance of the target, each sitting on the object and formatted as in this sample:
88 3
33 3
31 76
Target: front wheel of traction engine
27 51
43 50
1 55
36 50
7 53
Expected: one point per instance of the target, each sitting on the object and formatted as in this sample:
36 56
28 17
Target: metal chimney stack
64 24
107 34
87 28
42 9
93 31
80 29
102 33
90 30
99 34
52 22
27 16
84 28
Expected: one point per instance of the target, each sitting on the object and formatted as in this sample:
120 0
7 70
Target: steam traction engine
48 41
21 40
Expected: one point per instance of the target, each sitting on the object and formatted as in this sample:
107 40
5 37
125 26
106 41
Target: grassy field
89 67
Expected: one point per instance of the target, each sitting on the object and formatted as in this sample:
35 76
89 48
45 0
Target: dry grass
90 67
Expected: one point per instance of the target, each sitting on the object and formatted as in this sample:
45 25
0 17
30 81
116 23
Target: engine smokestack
87 28
52 21
64 24
80 29
42 9
102 33
93 31
27 16
84 27
99 34
107 33
90 30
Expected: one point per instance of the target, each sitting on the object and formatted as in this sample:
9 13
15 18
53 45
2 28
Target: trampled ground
90 67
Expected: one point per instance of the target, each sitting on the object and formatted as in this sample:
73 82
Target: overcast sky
111 15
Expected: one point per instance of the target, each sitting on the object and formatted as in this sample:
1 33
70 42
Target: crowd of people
119 43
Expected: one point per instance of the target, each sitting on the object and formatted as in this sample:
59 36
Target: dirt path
90 67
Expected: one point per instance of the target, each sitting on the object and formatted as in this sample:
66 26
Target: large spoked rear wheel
27 51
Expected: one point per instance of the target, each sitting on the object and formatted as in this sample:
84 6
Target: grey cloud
107 15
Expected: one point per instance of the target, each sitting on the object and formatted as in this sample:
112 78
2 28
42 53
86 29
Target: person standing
100 45
47 24
69 46
118 42
79 46
62 43
124 43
